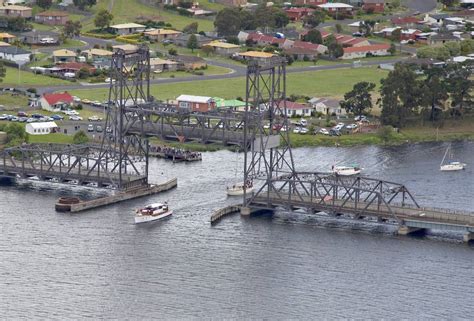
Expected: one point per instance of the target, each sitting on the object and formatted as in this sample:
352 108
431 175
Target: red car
22 114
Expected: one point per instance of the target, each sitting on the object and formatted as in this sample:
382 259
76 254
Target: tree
45 4
393 49
315 19
366 27
102 19
271 17
228 21
338 27
467 47
459 84
359 99
396 34
448 3
453 47
72 29
172 52
401 95
314 36
434 90
83 73
80 138
192 43
3 71
82 4
16 134
207 50
192 28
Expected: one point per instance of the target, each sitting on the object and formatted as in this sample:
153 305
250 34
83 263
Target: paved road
238 72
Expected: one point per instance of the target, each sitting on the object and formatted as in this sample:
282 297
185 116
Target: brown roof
53 14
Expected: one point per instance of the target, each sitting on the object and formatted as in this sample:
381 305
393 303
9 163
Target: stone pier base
406 230
245 211
468 237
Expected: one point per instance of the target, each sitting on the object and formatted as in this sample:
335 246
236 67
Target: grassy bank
22 78
321 83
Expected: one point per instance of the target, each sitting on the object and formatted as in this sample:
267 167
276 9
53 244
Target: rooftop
64 53
256 54
336 5
382 46
127 25
55 98
220 44
15 7
53 14
195 99
157 32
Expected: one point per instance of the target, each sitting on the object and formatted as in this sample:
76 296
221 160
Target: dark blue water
98 264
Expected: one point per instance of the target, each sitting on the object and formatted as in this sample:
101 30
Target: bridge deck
430 216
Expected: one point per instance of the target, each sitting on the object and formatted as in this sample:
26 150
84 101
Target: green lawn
51 138
129 10
10 101
72 43
324 83
26 79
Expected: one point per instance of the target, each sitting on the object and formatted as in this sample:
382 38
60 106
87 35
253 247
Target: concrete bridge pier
468 237
248 211
406 230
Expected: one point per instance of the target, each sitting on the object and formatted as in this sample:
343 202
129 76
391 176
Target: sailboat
452 165
238 189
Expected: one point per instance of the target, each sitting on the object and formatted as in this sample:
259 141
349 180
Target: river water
99 264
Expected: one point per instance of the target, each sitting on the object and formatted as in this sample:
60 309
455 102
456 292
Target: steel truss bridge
121 160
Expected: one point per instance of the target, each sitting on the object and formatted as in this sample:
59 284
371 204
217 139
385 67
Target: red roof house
296 14
56 101
361 52
374 6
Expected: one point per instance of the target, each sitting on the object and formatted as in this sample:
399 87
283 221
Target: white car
108 80
360 118
324 131
297 130
76 99
71 113
94 118
75 117
3 117
304 131
90 128
351 126
303 122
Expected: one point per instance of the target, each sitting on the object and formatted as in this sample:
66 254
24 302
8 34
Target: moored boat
452 166
152 212
239 189
346 170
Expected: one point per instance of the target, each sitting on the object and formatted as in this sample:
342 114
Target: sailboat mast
446 153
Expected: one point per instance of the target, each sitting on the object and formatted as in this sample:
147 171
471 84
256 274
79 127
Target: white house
128 28
296 109
41 128
15 54
327 106
361 52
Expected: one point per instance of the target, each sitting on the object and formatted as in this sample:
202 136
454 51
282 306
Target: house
127 48
40 37
162 34
64 55
256 55
232 3
15 54
373 6
327 106
160 65
435 19
42 128
96 54
182 40
337 8
6 37
73 68
361 52
127 28
233 104
196 103
466 3
4 44
296 14
409 34
189 62
294 109
301 53
223 48
304 49
441 38
54 18
15 11
313 3
406 22
56 101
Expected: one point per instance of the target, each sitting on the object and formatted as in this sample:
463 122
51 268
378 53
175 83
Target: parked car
75 118
304 131
96 103
31 120
86 101
359 118
303 122
297 130
98 129
71 112
351 126
37 116
94 118
324 131
108 129
4 117
14 119
22 119
57 117
334 132
22 114
76 99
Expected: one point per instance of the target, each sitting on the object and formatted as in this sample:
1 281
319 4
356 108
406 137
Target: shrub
80 138
385 133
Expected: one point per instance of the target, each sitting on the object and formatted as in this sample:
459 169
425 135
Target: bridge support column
406 230
468 237
245 211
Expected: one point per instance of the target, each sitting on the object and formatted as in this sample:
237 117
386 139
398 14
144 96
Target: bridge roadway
82 176
413 217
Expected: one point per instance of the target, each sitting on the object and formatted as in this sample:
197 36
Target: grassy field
129 10
324 83
51 138
211 70
10 101
26 79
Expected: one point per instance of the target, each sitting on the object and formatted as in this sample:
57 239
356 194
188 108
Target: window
183 104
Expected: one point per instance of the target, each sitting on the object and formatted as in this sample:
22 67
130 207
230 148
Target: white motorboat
152 212
239 189
452 165
346 170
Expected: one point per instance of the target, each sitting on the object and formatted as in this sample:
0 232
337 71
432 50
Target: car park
90 128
